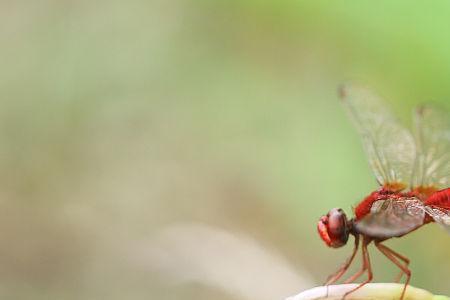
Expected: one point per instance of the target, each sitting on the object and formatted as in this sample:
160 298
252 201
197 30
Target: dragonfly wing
432 134
389 146
440 216
392 218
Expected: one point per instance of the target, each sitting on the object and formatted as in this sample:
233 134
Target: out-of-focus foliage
122 120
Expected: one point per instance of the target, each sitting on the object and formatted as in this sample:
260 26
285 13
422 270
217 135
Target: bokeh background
185 149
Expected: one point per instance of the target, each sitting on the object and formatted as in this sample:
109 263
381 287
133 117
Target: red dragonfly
413 172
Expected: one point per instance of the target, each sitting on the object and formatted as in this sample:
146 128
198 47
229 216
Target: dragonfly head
334 228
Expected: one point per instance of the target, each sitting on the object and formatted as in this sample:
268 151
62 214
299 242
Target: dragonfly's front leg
341 271
366 266
360 272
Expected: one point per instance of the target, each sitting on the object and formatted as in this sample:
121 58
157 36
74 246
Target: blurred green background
185 149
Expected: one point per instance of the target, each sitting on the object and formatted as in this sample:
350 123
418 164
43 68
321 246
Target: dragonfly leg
394 256
366 266
402 258
341 271
360 272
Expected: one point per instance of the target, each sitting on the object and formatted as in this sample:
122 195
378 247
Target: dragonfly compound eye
337 228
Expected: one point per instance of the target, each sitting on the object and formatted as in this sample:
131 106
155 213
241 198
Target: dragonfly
412 169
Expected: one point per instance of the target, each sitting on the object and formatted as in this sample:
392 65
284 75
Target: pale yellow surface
370 291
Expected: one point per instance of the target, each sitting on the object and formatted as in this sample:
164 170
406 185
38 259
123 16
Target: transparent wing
440 215
393 217
389 146
432 133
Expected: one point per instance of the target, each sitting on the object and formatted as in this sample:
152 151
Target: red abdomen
440 199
